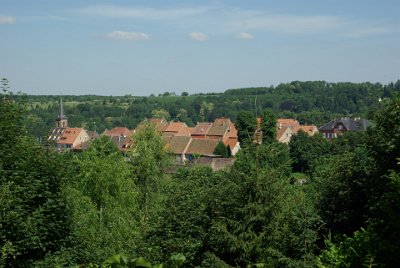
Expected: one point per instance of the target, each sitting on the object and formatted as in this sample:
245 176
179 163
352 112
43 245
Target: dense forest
312 203
309 102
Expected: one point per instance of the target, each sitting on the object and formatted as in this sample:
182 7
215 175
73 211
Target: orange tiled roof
310 129
201 129
281 131
287 122
117 131
69 136
185 131
219 127
175 127
178 144
201 146
160 123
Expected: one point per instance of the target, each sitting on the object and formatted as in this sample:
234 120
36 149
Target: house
201 147
222 129
174 128
337 127
287 127
159 123
201 130
66 138
61 124
120 136
310 130
178 145
73 139
287 122
284 134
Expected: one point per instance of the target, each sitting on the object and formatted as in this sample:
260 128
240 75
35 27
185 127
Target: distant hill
311 102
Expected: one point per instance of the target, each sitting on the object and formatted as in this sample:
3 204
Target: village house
287 127
120 136
73 139
186 142
337 127
66 138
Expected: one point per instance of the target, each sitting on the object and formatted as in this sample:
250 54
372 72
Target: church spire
61 109
61 120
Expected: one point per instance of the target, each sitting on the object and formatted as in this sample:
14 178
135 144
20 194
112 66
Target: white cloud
245 36
141 12
7 20
126 36
198 36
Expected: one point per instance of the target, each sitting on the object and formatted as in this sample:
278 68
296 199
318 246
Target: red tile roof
185 131
201 146
201 129
160 124
281 131
117 131
175 127
288 122
219 127
70 135
179 144
310 129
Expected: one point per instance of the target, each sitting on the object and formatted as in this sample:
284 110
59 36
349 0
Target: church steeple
61 119
61 109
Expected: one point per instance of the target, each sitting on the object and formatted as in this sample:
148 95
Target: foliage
306 150
102 202
119 260
222 150
347 186
268 126
246 124
183 223
33 218
260 226
311 102
356 251
148 159
74 209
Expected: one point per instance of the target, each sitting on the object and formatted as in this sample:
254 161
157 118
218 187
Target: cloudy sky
152 46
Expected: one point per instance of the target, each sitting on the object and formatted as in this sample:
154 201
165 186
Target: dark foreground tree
33 217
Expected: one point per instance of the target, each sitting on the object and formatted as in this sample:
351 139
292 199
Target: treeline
312 203
314 102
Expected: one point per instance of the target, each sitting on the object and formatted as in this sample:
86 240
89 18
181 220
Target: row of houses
288 127
188 142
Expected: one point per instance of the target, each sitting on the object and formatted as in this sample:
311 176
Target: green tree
222 150
33 217
161 113
268 126
102 201
149 159
306 150
205 109
183 223
246 124
263 226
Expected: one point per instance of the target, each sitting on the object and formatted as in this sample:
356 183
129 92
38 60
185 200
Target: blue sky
143 47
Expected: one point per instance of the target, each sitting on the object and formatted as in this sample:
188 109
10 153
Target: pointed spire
61 119
61 115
